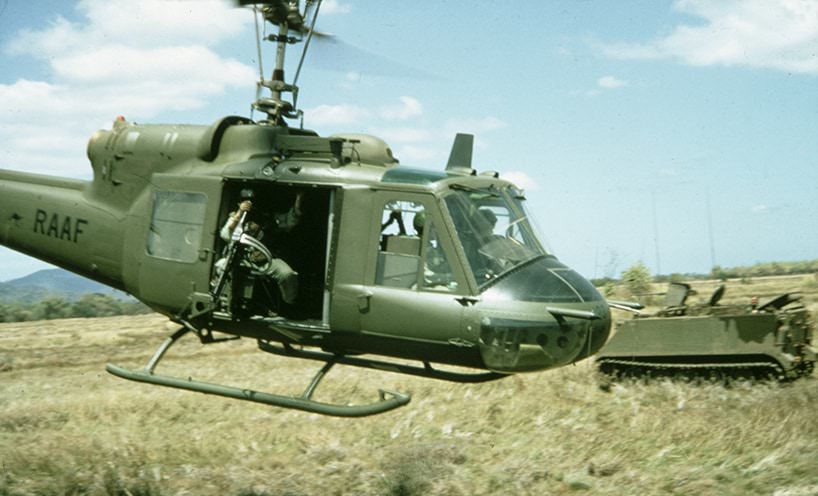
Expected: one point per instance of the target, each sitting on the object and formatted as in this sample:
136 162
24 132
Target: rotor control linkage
388 400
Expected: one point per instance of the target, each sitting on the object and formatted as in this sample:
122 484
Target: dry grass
69 428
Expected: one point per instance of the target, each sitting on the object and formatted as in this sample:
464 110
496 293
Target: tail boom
50 218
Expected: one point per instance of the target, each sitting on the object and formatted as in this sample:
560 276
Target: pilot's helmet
247 194
419 221
485 221
488 216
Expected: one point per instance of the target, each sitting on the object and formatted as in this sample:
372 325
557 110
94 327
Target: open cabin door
178 243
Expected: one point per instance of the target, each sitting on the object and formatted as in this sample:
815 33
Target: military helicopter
396 268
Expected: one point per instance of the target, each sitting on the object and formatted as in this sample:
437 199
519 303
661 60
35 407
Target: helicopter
381 265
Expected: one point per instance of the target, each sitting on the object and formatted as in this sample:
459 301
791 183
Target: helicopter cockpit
506 254
493 227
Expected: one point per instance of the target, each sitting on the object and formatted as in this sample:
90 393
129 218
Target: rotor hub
287 16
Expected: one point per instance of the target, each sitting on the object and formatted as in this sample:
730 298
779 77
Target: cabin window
411 254
176 226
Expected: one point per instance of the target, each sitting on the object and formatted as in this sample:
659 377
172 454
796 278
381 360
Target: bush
637 278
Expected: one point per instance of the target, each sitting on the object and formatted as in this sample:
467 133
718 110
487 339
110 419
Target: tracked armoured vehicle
771 340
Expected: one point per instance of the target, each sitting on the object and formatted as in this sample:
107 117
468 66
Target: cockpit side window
410 253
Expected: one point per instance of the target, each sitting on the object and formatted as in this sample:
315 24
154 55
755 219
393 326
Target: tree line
638 279
765 269
88 305
641 272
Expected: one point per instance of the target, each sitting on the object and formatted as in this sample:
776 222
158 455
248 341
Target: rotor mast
286 15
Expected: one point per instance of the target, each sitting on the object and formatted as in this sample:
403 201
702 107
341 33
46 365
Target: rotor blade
244 3
258 52
332 54
308 9
310 33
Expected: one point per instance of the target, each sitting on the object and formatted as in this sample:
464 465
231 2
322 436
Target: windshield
494 229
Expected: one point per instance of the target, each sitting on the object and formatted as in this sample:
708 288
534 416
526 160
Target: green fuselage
149 222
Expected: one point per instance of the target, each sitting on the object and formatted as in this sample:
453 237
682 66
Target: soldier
271 235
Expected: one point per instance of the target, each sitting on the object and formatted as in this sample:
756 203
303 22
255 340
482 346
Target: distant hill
52 283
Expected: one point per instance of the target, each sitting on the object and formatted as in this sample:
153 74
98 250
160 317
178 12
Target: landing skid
388 400
425 371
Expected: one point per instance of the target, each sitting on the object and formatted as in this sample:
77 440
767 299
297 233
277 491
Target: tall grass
69 428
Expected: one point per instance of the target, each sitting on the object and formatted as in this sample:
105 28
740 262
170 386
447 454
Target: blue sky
620 119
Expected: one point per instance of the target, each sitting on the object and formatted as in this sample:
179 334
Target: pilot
418 221
484 223
270 233
483 263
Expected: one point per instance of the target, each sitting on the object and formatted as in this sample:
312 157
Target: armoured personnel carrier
772 340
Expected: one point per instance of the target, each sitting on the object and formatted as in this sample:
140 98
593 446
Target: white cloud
342 114
166 65
610 82
770 34
142 23
408 108
759 209
335 7
521 179
405 134
352 114
419 155
132 58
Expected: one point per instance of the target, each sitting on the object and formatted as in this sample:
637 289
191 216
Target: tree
720 273
96 305
637 278
53 308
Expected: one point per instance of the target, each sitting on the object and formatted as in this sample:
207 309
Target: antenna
710 230
655 231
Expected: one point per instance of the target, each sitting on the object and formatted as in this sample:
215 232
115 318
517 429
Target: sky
681 134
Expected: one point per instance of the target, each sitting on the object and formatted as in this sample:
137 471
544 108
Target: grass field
69 428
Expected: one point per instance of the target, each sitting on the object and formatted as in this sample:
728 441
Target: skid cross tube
388 400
